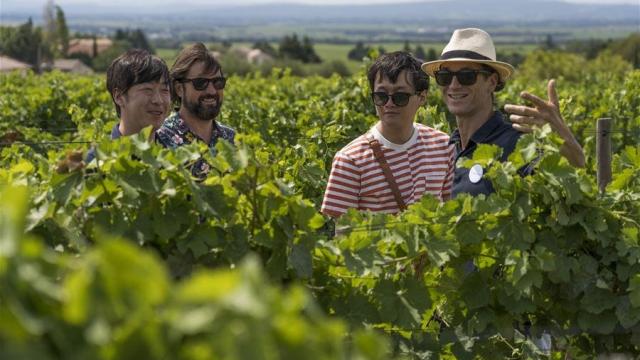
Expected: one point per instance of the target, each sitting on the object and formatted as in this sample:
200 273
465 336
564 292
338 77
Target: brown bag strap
379 155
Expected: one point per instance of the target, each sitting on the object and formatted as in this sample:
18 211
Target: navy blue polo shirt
115 134
496 131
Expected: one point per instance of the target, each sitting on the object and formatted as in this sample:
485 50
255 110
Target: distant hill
497 10
513 21
481 10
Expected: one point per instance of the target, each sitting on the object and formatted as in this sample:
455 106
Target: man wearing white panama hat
468 75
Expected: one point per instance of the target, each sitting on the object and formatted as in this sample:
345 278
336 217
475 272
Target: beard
202 111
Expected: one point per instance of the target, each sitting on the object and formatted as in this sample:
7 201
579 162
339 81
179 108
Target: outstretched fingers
526 120
536 101
521 110
522 129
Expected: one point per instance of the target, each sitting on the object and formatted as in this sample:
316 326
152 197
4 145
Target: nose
454 82
389 103
210 87
160 97
157 97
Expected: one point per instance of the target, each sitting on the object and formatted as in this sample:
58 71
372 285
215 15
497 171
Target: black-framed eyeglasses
465 77
202 83
380 98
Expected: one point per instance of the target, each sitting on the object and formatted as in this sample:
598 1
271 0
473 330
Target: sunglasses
465 77
399 98
202 83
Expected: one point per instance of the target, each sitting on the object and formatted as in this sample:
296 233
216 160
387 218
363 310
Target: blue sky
40 3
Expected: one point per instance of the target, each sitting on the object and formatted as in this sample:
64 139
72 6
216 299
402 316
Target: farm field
332 52
129 256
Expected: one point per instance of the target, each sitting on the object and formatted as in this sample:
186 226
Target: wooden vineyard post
603 152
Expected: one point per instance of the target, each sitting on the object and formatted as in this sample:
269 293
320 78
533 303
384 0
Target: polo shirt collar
489 127
115 132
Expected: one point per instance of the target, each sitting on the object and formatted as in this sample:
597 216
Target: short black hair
134 67
390 65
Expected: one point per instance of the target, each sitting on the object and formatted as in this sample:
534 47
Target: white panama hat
472 45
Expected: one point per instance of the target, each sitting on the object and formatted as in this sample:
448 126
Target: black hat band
464 54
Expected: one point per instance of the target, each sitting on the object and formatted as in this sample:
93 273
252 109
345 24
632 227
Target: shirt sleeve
447 184
163 137
343 187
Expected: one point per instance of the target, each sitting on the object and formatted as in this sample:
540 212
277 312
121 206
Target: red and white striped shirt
418 166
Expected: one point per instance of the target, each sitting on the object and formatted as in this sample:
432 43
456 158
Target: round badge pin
475 174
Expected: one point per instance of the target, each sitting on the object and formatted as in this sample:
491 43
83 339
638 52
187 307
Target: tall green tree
62 31
265 47
23 43
407 47
431 55
420 54
309 53
290 47
55 31
49 30
628 48
359 51
136 38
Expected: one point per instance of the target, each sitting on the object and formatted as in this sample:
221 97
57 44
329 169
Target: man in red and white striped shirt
417 156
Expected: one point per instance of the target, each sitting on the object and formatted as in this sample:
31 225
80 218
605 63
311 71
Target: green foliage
136 38
588 90
62 31
265 47
359 51
130 255
628 48
542 65
55 30
22 43
104 59
117 302
290 47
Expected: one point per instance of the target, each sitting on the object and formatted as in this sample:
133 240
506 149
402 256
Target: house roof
85 46
72 65
9 64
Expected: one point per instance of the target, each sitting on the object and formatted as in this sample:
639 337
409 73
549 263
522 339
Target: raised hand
542 112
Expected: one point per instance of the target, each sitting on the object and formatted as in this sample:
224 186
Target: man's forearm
573 152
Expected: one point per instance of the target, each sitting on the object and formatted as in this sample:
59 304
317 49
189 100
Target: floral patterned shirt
174 132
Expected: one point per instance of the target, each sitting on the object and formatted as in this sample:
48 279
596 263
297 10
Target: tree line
38 45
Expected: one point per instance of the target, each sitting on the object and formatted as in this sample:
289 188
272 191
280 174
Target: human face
145 104
203 104
469 100
390 114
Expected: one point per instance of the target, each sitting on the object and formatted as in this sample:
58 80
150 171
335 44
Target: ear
119 97
494 79
179 88
422 97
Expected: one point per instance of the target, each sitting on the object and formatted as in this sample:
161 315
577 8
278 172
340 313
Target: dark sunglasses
465 77
399 98
202 83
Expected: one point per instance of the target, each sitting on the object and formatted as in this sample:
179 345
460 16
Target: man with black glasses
468 75
197 91
397 161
